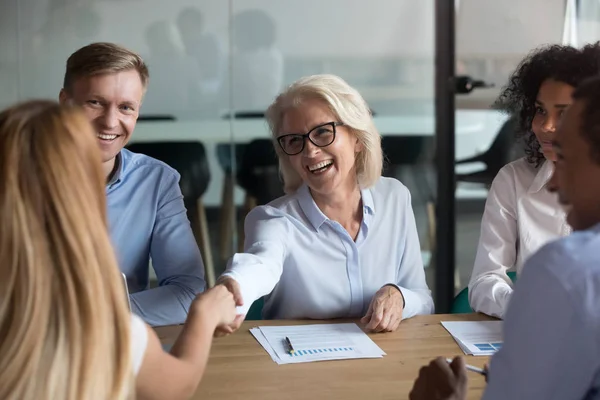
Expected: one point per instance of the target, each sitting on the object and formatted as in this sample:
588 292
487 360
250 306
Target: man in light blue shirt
147 217
552 328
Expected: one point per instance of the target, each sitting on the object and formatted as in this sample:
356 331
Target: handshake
218 305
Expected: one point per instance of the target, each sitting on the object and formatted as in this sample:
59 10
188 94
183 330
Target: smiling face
111 102
324 169
576 177
552 100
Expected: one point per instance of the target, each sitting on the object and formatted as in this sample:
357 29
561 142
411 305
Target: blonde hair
348 106
64 321
101 58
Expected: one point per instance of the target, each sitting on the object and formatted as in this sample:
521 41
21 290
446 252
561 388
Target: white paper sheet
477 338
316 342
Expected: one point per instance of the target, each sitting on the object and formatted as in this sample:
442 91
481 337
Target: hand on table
234 288
385 311
440 380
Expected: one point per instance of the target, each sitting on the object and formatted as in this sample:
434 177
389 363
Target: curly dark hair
561 63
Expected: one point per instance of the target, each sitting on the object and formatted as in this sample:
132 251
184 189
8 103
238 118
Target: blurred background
215 66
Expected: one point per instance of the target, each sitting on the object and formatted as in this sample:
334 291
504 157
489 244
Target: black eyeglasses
321 136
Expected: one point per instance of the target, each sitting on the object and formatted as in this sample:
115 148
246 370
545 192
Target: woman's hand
234 288
385 310
218 303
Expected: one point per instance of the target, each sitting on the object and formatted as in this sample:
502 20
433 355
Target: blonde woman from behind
65 329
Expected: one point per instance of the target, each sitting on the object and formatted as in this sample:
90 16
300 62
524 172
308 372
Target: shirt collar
542 177
316 216
367 200
119 167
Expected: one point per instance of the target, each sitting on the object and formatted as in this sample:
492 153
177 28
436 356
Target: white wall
507 27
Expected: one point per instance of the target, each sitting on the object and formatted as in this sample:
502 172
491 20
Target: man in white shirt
552 331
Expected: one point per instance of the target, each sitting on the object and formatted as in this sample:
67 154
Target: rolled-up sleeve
176 261
411 275
259 268
490 287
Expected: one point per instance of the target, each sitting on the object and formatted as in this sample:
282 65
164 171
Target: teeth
320 165
106 137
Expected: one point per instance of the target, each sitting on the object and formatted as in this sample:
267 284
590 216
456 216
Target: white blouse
520 216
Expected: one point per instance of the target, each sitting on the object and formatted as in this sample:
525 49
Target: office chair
259 177
230 170
408 151
405 151
189 159
461 305
495 157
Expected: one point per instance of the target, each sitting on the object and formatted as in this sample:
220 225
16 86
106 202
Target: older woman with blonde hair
343 242
65 328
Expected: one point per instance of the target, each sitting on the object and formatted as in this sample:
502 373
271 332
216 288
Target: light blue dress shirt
310 267
148 220
552 328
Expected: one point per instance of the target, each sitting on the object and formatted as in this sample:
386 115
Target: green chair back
255 311
461 301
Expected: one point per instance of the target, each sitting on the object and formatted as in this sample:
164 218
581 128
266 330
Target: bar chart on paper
327 350
316 342
477 338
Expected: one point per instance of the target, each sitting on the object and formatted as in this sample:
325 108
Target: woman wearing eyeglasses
343 242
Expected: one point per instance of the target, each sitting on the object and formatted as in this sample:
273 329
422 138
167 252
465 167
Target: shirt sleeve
411 275
259 268
549 349
490 287
176 260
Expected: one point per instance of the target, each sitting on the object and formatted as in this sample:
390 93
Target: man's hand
385 311
233 287
440 380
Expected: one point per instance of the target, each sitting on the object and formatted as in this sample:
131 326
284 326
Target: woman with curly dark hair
520 215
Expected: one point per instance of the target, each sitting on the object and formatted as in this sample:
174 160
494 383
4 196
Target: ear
358 146
63 97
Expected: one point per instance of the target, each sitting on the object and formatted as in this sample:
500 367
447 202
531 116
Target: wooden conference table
239 368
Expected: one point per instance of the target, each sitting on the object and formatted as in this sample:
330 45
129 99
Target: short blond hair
100 58
348 106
